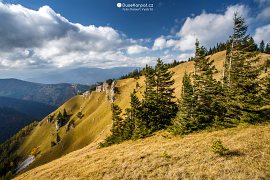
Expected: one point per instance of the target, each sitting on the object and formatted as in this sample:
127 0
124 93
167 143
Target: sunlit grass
164 156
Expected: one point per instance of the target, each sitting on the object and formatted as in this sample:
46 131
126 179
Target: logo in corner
119 5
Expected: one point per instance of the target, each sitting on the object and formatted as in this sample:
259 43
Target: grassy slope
163 156
95 125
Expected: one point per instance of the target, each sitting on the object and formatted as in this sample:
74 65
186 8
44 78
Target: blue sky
167 14
50 34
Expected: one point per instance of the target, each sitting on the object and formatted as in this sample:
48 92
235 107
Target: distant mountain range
50 94
87 76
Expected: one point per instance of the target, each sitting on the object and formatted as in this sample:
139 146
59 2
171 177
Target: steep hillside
94 126
163 156
50 94
12 121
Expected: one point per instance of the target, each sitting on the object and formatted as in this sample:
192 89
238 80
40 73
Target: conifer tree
236 42
59 120
133 127
164 95
242 74
266 92
158 106
154 113
117 129
264 110
251 45
267 48
65 114
117 126
262 47
202 103
149 106
185 120
59 116
208 92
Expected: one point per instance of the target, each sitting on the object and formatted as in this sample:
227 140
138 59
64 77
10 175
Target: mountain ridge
81 75
50 94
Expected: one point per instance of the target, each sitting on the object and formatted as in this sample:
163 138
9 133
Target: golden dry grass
164 156
96 123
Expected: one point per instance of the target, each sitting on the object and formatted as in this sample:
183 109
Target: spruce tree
185 120
266 92
243 84
59 116
251 45
133 125
65 114
158 106
164 95
59 119
202 102
267 48
117 129
236 42
266 83
117 120
265 110
262 47
209 108
149 106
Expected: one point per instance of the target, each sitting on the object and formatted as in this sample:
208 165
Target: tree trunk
224 65
230 65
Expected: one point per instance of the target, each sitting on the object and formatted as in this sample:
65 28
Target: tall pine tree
262 47
158 106
149 105
242 75
117 129
209 108
185 120
267 48
202 103
134 127
164 95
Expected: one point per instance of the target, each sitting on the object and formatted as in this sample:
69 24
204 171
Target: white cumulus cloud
262 33
42 38
209 28
160 43
136 49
